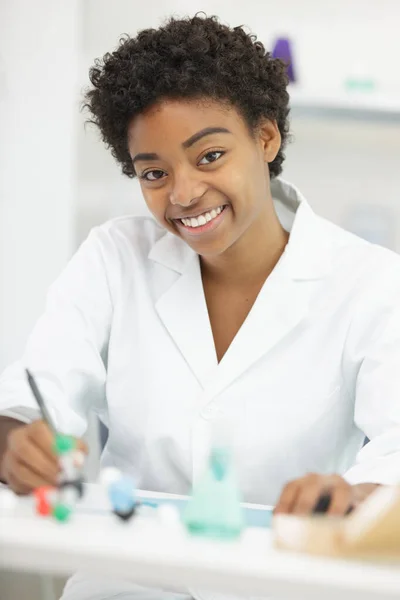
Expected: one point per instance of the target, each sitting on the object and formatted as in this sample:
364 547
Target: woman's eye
153 175
211 157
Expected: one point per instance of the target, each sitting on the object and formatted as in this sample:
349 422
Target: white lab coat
314 369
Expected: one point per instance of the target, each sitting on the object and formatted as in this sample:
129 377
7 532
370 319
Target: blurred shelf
353 105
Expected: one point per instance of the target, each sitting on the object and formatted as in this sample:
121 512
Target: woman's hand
29 460
300 497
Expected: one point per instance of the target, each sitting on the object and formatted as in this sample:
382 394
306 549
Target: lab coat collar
282 303
309 250
307 254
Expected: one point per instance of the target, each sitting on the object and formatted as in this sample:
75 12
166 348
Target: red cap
42 503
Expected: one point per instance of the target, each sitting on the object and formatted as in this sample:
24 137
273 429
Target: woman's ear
270 139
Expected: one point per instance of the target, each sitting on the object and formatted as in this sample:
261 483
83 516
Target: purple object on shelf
282 49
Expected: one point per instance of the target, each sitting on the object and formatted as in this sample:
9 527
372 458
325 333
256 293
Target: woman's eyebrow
200 134
145 156
187 144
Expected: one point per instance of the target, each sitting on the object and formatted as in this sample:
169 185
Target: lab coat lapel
183 310
283 302
281 305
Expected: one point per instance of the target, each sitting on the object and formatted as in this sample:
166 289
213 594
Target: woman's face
203 175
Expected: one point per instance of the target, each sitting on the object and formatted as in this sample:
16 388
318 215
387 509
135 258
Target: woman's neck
253 257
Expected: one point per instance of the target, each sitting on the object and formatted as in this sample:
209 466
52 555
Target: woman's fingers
341 499
39 433
38 462
308 497
30 460
288 498
303 496
22 478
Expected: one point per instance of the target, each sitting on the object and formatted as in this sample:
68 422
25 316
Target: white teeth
202 219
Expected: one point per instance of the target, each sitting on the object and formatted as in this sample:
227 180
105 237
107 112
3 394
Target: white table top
155 554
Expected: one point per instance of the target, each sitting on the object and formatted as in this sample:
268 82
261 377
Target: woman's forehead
180 119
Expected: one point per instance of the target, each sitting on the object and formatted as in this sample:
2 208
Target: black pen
39 399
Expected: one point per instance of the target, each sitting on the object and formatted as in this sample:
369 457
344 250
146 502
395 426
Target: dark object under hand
322 505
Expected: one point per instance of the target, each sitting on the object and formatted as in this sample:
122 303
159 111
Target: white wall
346 167
333 39
39 46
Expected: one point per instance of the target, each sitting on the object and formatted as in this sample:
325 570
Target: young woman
236 303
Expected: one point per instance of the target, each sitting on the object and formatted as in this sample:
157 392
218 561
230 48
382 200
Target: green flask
214 509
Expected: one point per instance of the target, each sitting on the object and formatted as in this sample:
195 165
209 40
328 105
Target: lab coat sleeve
67 350
377 399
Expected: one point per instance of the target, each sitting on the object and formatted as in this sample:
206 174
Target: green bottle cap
64 444
61 512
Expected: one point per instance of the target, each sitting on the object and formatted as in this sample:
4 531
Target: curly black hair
187 58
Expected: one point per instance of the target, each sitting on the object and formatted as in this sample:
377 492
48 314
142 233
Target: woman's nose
186 191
